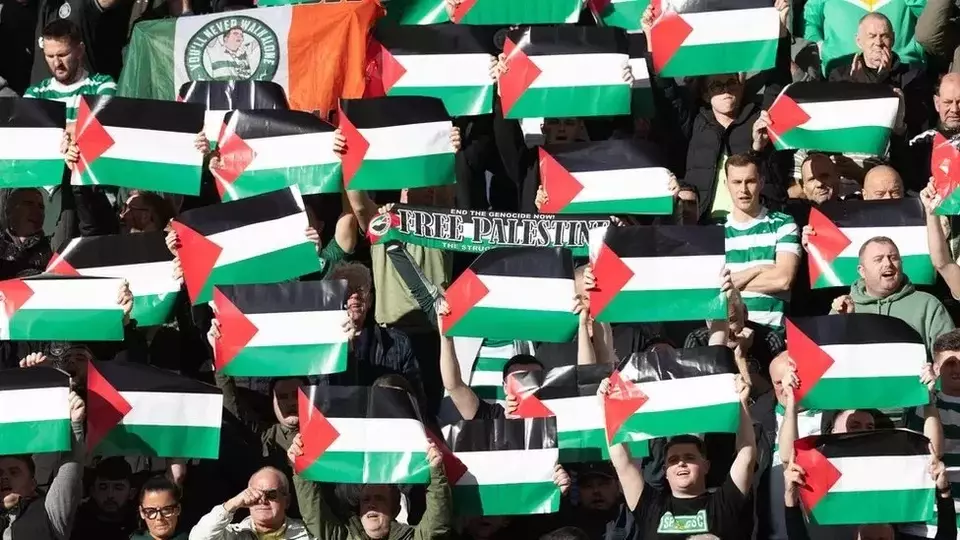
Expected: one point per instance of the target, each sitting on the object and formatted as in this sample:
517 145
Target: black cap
597 468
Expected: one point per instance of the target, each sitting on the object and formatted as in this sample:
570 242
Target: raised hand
33 359
78 409
339 142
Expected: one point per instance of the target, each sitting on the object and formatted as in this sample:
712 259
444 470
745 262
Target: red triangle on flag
666 37
521 73
829 241
465 292
15 293
811 360
92 139
462 9
561 186
198 255
373 76
236 330
105 407
624 399
598 6
821 475
529 405
357 146
944 166
785 115
317 432
59 265
453 468
611 275
235 156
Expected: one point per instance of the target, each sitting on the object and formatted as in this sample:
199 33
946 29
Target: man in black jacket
946 100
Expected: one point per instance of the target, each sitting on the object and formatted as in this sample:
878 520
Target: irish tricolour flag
661 395
448 62
142 259
857 361
31 131
609 177
834 117
268 150
843 227
485 12
658 273
396 142
139 144
877 476
509 466
564 71
34 411
361 435
514 293
60 308
281 329
139 410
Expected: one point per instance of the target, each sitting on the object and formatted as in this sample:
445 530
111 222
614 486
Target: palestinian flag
857 361
58 308
834 116
281 329
269 150
448 62
843 227
514 293
659 273
565 71
485 12
721 36
396 142
660 395
610 177
624 14
509 466
361 435
139 144
945 168
34 411
31 131
866 477
256 240
140 410
485 373
142 259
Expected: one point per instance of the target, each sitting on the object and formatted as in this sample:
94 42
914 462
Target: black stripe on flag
573 381
703 6
569 39
147 114
362 402
637 45
535 262
665 241
856 329
222 217
436 39
32 378
660 365
821 91
497 434
116 250
58 277
885 213
231 95
880 442
606 155
275 123
135 377
380 112
296 296
31 113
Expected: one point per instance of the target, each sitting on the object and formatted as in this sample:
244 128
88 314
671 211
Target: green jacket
436 524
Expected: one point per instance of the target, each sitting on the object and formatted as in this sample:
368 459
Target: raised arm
746 457
463 397
789 431
937 242
629 474
66 489
318 518
437 521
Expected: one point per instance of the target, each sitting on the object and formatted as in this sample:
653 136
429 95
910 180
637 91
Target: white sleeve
213 526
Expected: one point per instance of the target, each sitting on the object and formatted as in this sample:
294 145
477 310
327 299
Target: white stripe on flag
882 473
528 293
487 378
675 394
622 184
169 147
869 360
577 413
297 328
62 294
34 405
640 72
410 140
502 467
260 238
292 151
173 409
733 26
826 115
213 124
378 435
909 240
444 70
566 70
30 143
144 279
674 273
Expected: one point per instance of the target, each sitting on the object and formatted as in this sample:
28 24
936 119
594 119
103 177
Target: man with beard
108 514
946 101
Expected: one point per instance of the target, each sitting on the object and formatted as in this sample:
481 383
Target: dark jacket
380 351
89 524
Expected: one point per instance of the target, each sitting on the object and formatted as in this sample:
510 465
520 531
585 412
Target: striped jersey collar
82 78
745 225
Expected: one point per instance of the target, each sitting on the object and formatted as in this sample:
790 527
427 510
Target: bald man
915 159
882 182
819 179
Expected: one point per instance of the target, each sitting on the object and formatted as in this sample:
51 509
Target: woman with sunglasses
159 510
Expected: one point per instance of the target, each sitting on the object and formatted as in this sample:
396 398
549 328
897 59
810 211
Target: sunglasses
272 495
166 511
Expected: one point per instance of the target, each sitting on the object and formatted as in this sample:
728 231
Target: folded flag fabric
256 240
486 373
220 97
34 411
515 293
857 361
138 144
61 308
481 12
31 131
945 168
624 14
281 329
843 227
396 142
509 466
658 394
448 62
714 36
140 410
361 435
642 99
834 117
142 259
565 71
659 273
866 477
609 177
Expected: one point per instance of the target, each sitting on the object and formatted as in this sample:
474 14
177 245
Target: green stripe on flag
153 309
416 12
501 12
288 361
888 506
721 58
651 205
409 172
950 206
380 468
918 268
67 325
20 173
862 140
161 441
35 437
565 102
624 14
490 364
665 305
459 100
500 323
865 393
721 418
311 180
274 267
591 445
506 499
146 175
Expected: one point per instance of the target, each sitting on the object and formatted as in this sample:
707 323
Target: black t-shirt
489 411
661 515
84 13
